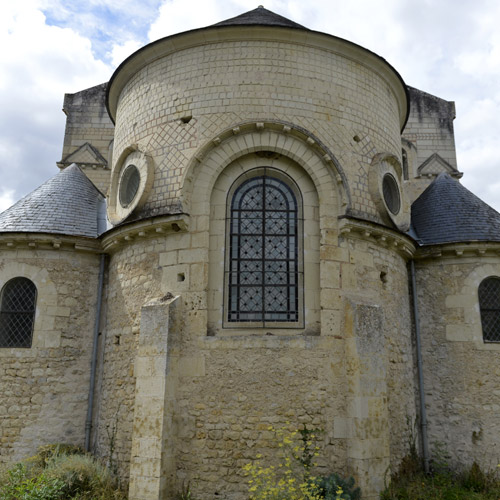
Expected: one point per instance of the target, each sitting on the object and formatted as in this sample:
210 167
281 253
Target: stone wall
460 369
133 278
45 388
380 381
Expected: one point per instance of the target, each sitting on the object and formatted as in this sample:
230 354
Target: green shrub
443 484
59 472
292 475
84 477
474 479
329 487
20 486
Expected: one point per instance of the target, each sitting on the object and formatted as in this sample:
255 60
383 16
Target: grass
411 483
59 472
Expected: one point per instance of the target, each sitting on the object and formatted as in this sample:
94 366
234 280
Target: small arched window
405 164
17 313
489 305
263 265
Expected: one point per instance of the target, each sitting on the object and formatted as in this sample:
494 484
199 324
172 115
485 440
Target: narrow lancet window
263 265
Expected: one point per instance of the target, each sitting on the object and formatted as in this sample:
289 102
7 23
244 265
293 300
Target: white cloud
38 64
120 52
104 22
6 199
176 16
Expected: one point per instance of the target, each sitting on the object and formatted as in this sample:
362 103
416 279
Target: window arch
17 313
489 305
263 270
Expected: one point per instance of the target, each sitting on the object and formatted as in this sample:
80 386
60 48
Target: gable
85 155
435 165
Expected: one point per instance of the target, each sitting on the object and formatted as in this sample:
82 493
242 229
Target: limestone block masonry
206 88
460 368
45 388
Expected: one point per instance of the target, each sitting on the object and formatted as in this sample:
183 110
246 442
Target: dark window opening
489 305
17 313
263 265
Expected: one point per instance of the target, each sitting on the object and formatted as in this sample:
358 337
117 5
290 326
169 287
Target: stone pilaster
151 462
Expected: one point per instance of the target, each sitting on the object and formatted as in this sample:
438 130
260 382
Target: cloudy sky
449 48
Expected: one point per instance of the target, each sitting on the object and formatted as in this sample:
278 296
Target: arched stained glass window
489 304
262 273
17 313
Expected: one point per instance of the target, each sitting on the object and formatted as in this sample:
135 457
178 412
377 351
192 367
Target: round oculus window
129 185
390 191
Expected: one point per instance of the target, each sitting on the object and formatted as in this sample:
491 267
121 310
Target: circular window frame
130 158
387 166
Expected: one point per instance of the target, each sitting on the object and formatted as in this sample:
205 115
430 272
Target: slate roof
447 212
68 203
260 16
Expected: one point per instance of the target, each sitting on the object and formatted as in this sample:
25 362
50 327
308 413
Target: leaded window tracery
489 305
262 273
17 313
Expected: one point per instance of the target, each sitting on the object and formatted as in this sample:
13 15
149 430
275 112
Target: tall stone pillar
368 443
151 465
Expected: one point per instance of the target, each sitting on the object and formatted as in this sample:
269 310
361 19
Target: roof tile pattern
262 17
68 203
447 212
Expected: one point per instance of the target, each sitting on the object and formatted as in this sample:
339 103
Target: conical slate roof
260 16
447 212
68 203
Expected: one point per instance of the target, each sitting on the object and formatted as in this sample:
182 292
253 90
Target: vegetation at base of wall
185 492
59 472
291 475
410 482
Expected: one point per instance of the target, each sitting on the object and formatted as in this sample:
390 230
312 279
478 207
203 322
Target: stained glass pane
489 303
17 313
263 282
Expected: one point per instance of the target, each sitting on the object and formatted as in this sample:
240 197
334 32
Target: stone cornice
126 233
46 241
472 249
375 233
112 239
